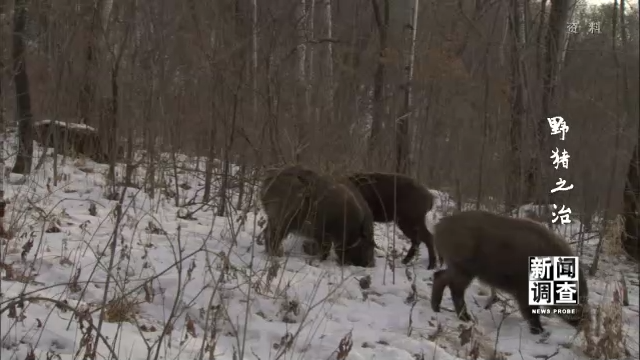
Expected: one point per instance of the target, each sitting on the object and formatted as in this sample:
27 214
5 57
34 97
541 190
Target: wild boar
302 201
401 199
496 249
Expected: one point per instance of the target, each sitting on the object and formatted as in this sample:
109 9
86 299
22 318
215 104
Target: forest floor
200 287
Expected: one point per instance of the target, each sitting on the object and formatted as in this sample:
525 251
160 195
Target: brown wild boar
496 249
401 199
299 200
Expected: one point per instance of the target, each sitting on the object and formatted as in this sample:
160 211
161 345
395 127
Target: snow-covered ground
201 288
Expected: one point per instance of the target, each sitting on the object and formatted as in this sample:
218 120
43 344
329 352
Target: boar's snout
365 254
370 257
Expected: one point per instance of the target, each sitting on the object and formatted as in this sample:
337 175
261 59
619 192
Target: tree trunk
150 142
303 97
209 166
328 16
2 118
226 171
254 59
631 195
554 40
243 179
382 22
539 46
621 114
631 200
403 142
112 126
514 180
572 8
112 129
86 97
23 94
3 132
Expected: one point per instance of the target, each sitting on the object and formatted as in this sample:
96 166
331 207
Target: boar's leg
458 284
323 241
535 326
440 282
359 254
417 232
427 239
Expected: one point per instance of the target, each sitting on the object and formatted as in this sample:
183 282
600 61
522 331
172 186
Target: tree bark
631 199
554 40
2 8
382 21
539 47
303 81
328 16
86 97
3 127
572 8
631 195
621 114
514 179
23 94
403 142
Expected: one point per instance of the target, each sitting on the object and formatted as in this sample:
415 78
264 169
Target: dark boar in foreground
301 201
496 249
78 139
401 199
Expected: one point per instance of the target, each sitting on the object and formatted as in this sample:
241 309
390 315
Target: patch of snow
222 295
70 125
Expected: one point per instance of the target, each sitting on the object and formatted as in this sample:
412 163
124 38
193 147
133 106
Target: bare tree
117 51
381 17
572 9
514 180
87 90
328 17
403 145
3 129
631 193
2 109
24 157
305 56
554 41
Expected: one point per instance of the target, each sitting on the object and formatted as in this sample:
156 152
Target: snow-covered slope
202 289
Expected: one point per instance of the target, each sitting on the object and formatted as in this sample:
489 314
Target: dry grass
467 342
605 338
344 348
611 238
121 310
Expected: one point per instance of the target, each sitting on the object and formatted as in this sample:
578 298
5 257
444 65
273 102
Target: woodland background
454 93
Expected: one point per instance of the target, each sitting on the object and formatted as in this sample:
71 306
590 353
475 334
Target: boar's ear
360 179
364 234
307 192
368 180
302 179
